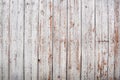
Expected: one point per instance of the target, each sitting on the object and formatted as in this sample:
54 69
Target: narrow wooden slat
1 39
16 31
74 39
6 40
111 40
56 40
62 39
88 39
31 26
45 39
101 40
34 24
28 41
116 40
59 39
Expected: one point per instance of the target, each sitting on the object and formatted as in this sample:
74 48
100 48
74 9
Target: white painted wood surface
74 39
16 39
88 39
59 40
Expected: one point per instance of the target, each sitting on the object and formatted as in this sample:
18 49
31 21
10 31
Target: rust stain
104 62
116 40
99 67
71 24
77 56
49 77
50 6
69 57
50 58
50 19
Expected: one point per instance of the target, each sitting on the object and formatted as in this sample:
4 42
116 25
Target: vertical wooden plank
111 40
34 24
6 40
45 39
31 26
56 41
28 41
1 39
88 39
74 39
102 40
116 39
16 31
60 40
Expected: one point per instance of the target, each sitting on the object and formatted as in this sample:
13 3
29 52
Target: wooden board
31 26
0 39
88 40
59 39
74 40
5 40
116 40
102 40
16 39
111 41
45 39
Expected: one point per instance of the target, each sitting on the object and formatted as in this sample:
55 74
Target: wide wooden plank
102 40
6 40
116 39
88 39
31 26
59 39
111 40
74 40
16 32
45 39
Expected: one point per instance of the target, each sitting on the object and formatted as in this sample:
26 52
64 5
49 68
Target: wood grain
116 39
16 31
88 40
1 39
111 40
102 39
74 39
6 40
31 26
59 39
45 39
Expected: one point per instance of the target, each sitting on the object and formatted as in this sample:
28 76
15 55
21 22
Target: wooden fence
59 40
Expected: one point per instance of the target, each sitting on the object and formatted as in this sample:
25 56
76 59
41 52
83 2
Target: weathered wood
74 40
111 39
116 39
1 39
45 39
59 39
6 40
88 39
31 26
102 39
16 31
